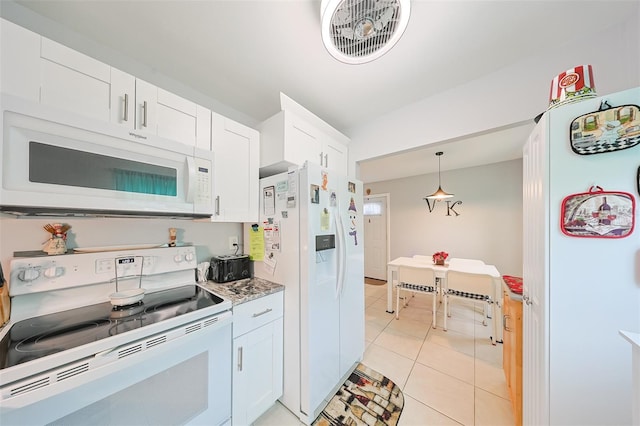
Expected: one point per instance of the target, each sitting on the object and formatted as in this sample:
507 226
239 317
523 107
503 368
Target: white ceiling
243 53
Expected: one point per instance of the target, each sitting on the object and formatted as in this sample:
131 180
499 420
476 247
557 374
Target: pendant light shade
439 194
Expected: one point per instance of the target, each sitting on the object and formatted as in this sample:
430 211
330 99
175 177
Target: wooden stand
512 352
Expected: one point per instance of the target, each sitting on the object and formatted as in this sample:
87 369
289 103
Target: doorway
376 236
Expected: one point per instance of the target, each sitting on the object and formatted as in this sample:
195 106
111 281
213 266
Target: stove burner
48 334
59 337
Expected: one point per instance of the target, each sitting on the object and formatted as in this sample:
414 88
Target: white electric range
68 356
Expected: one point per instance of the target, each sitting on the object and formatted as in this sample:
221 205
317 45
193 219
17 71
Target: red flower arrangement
439 257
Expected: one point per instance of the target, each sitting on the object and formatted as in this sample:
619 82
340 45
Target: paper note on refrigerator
270 265
272 236
256 243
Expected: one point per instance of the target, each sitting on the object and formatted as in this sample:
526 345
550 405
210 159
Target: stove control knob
29 274
53 272
188 257
177 258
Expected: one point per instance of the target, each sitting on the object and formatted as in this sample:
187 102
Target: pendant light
439 194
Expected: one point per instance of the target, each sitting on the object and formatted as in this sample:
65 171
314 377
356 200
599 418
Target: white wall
489 226
513 95
26 234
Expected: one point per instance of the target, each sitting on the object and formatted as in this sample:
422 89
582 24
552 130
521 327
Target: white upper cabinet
143 107
288 139
335 155
134 102
20 62
73 81
236 151
44 71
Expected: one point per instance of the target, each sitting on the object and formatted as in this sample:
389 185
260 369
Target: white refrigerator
580 292
312 232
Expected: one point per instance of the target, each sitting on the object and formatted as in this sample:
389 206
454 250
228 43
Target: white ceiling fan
359 31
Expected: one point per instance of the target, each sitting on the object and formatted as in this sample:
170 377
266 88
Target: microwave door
53 166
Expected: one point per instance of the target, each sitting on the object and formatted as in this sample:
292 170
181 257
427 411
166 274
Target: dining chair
416 280
459 261
469 285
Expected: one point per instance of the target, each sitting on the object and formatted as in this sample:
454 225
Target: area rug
367 398
374 281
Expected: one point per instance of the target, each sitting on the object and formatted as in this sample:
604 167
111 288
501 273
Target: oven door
186 380
86 166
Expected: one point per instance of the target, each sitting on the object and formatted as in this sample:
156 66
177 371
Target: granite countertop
244 290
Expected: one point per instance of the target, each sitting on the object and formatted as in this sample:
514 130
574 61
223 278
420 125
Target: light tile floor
447 378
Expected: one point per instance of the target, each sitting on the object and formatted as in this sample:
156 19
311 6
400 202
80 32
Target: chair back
469 282
459 261
423 275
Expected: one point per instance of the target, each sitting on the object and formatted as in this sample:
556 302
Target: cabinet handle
266 311
218 205
504 323
527 300
144 114
321 159
126 107
240 358
326 160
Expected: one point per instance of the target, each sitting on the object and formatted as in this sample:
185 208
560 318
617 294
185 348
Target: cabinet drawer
250 315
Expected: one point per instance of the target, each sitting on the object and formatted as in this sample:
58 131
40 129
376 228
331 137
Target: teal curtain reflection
145 183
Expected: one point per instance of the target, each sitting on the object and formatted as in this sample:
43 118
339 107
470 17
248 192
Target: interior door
375 237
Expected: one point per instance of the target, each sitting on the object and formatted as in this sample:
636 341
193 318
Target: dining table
440 273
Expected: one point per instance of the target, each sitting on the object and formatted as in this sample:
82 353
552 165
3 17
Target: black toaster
225 268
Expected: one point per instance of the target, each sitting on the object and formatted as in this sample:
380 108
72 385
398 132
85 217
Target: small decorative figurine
57 242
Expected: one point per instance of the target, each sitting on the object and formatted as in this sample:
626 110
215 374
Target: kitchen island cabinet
258 307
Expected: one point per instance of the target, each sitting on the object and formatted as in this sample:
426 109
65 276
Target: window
372 208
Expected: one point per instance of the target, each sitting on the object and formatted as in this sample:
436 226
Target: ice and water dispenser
326 258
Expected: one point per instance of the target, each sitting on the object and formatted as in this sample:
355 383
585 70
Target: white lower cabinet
257 357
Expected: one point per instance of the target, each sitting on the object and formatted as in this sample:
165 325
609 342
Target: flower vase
440 262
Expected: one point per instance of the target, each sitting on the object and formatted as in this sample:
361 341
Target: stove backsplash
28 234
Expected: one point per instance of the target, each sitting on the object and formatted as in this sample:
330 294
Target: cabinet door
335 156
123 96
146 107
203 128
535 393
19 61
257 374
73 81
236 151
176 118
303 142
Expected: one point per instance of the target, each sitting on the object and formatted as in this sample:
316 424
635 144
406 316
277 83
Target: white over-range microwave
57 163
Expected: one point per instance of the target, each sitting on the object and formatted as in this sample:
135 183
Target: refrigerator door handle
342 261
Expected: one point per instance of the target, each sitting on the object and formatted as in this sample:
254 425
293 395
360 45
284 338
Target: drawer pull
266 311
504 322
